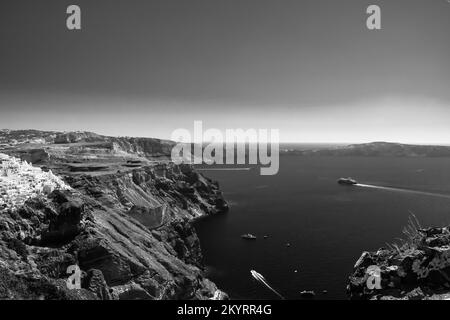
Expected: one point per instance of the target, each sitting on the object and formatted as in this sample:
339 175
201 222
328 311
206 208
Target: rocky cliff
418 269
126 223
33 144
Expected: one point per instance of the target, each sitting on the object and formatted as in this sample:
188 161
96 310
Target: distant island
377 149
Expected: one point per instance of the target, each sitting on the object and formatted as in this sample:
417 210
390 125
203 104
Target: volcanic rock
416 270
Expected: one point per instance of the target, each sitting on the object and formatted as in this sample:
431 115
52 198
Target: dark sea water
327 225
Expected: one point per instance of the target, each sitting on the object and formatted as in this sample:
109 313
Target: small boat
256 275
248 236
347 181
259 277
308 294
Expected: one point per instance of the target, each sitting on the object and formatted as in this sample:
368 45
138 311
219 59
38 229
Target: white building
20 181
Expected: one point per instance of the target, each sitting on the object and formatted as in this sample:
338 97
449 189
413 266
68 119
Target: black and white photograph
247 151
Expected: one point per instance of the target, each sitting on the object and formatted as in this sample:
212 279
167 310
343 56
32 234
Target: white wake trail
259 277
423 193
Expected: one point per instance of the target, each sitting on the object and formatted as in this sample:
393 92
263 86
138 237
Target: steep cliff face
415 270
147 147
127 223
92 227
37 146
143 146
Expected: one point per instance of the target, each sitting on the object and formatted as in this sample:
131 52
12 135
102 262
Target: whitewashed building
20 181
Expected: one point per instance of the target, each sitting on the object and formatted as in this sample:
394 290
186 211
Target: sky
311 68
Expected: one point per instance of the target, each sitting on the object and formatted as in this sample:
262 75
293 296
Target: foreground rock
417 270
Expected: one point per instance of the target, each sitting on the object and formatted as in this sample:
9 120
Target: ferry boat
347 181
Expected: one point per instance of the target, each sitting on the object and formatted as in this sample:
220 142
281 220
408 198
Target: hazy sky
309 68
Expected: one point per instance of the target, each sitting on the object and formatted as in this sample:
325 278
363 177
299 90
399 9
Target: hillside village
20 181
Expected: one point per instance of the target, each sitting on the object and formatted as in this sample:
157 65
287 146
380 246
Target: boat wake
423 193
259 277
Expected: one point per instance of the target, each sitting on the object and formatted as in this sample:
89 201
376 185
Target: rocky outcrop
38 146
126 222
74 137
148 147
121 257
151 217
419 269
142 146
34 155
101 226
95 282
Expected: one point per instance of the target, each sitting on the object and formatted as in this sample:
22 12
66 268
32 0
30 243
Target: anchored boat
248 236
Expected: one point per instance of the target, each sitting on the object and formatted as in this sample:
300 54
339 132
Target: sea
310 230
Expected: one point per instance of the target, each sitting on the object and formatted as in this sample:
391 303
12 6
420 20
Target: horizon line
280 142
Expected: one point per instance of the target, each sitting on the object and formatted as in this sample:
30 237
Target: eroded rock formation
416 270
127 227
